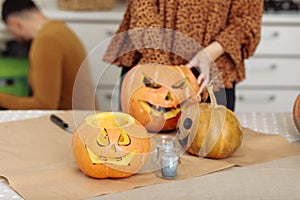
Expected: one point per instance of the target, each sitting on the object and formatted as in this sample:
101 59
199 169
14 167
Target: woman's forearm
214 50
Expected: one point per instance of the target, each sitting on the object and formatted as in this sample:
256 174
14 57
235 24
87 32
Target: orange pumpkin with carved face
296 112
110 145
153 93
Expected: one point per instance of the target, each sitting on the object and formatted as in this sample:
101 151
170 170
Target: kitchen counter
116 14
278 179
287 17
51 10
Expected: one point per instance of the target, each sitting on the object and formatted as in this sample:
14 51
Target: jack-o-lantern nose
113 148
169 97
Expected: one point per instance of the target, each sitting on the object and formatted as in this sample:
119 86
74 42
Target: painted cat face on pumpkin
153 94
188 123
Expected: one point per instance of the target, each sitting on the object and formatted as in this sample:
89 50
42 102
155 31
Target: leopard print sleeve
242 34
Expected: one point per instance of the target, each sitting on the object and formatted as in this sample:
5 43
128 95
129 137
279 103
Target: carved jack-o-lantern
153 94
110 145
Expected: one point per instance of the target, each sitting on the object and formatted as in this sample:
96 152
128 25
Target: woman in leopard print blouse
228 30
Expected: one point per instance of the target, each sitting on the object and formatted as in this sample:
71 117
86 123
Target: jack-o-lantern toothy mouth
158 111
121 160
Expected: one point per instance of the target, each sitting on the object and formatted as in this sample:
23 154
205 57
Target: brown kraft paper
37 160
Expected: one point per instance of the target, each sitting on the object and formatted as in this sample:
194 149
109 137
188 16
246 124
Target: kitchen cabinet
96 38
273 73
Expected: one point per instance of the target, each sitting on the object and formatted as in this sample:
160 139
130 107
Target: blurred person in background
55 57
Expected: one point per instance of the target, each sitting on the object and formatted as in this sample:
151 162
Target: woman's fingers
202 81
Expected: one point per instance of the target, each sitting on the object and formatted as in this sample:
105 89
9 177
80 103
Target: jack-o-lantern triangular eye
124 139
181 84
148 82
102 138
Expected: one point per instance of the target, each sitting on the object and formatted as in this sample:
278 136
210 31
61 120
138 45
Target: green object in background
13 76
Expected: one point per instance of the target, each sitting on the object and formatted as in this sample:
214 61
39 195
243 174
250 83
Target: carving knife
59 122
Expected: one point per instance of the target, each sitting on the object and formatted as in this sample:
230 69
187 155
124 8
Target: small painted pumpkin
213 132
296 112
152 94
110 145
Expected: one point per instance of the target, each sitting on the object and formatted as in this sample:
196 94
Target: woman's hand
201 61
204 60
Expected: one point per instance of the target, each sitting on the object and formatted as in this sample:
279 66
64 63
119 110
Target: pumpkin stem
214 79
209 88
213 99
